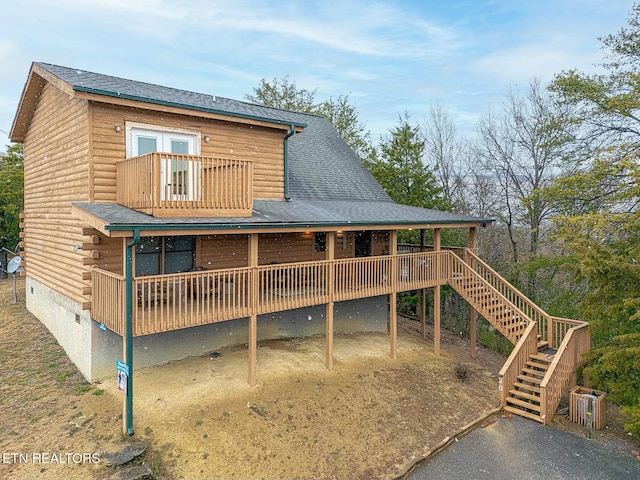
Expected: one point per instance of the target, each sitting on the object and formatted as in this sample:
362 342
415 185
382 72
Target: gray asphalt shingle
328 184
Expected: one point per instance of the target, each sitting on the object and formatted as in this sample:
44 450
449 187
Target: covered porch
167 302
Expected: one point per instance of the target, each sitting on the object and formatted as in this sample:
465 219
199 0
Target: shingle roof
84 81
328 184
321 164
299 213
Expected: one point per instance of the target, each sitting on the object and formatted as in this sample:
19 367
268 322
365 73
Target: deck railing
168 302
526 346
485 295
174 185
511 293
562 371
291 285
109 304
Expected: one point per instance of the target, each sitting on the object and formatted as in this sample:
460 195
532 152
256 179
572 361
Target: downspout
291 131
128 356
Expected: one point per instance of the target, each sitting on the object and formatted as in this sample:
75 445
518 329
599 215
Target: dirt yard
371 417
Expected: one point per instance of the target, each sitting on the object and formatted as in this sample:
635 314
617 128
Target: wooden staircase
493 306
524 394
548 350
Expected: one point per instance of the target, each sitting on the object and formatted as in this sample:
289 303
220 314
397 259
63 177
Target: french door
181 177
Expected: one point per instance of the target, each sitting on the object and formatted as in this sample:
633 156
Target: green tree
608 105
600 222
600 225
285 94
11 197
522 148
343 115
399 167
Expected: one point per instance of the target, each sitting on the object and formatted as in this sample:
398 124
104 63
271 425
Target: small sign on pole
123 375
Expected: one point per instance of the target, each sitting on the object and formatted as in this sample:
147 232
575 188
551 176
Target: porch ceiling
294 215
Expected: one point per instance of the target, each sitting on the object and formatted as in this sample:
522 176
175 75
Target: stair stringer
499 311
464 279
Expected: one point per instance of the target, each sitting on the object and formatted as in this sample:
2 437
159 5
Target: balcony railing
169 302
173 185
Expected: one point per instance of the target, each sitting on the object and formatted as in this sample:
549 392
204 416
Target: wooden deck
527 386
169 302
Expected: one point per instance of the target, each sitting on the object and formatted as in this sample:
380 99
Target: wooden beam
473 238
473 314
331 249
95 97
329 336
473 327
393 314
253 319
423 292
436 297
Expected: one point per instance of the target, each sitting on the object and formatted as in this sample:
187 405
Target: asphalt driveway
516 448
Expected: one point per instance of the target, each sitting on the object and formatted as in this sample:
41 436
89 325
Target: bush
615 368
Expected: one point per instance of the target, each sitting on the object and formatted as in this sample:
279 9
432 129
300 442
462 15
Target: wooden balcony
172 185
169 302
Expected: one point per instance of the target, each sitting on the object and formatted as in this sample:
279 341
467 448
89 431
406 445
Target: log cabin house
182 222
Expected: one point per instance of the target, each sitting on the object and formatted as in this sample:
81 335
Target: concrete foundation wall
95 351
70 325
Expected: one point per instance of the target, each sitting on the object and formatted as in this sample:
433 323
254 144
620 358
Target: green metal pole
129 330
291 131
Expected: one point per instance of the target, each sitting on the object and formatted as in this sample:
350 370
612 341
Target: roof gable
321 164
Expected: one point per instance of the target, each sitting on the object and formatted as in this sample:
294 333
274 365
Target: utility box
584 401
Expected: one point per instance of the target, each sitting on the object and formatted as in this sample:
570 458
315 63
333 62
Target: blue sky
390 57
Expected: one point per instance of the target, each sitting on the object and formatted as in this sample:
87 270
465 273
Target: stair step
525 395
522 413
542 357
537 373
524 386
533 380
524 404
542 344
533 363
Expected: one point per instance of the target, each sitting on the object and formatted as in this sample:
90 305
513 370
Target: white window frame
192 176
132 127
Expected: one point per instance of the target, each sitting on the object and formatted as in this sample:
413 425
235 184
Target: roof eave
26 106
137 98
295 225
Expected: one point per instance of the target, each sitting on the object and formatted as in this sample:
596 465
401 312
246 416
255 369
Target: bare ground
370 417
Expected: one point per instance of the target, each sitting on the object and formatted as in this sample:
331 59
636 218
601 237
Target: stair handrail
526 346
569 353
487 285
542 318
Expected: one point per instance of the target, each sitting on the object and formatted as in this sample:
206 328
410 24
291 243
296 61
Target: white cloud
389 56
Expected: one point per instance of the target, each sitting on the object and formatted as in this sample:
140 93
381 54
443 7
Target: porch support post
423 292
253 318
473 317
393 314
127 340
436 294
331 248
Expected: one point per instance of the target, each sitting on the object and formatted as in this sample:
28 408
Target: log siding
56 173
264 147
